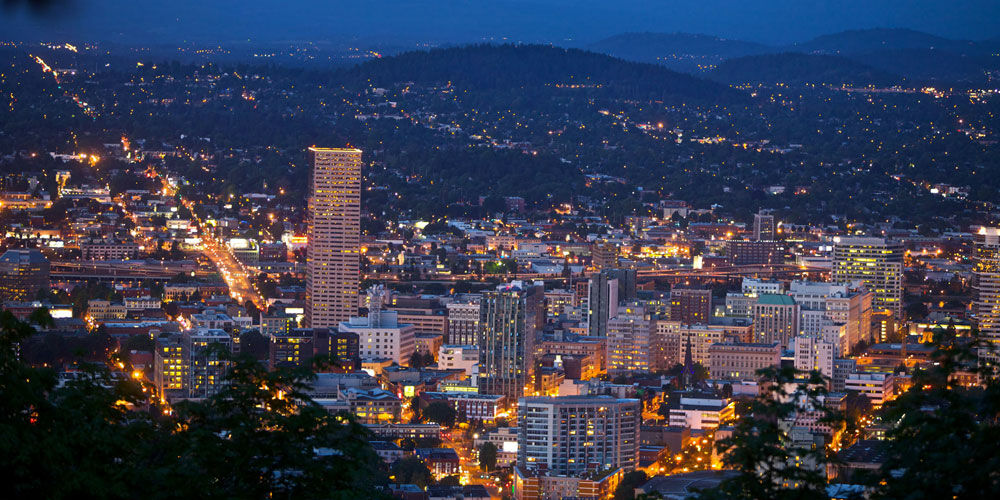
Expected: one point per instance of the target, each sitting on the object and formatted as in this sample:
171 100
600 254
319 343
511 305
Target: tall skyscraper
571 435
509 320
23 272
986 284
875 262
605 291
334 252
602 303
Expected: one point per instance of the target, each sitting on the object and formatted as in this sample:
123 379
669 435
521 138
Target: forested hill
794 68
532 67
861 41
674 48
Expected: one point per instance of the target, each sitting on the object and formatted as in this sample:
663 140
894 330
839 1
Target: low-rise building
741 360
700 411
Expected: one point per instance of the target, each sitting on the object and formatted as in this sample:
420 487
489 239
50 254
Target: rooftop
772 299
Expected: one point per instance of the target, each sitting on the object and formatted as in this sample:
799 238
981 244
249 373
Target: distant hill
884 53
859 41
797 68
931 64
913 54
683 51
533 67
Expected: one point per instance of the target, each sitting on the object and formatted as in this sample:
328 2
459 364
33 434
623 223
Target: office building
510 318
207 361
812 354
556 303
108 249
875 262
25 272
458 357
539 485
629 333
753 253
291 348
334 249
382 336
191 364
463 323
604 256
764 227
775 319
876 386
739 304
672 339
986 289
741 360
426 315
170 367
699 411
690 305
602 303
826 307
342 349
570 435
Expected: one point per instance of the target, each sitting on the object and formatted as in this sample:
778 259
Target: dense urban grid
497 271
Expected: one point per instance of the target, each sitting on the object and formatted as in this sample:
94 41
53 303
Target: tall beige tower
332 272
986 285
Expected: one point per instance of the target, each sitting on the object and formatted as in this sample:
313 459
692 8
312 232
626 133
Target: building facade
740 360
986 289
629 334
25 272
775 319
510 318
571 435
334 247
876 262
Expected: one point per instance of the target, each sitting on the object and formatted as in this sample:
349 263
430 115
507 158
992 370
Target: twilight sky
582 21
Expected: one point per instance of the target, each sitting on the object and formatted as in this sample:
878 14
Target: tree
452 480
411 470
487 456
770 465
944 442
630 481
254 344
105 436
417 360
441 413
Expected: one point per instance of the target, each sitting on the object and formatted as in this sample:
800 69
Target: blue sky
773 21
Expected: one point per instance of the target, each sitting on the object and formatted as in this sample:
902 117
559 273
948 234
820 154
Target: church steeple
688 364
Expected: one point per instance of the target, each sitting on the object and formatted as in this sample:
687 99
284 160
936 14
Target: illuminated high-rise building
875 262
510 318
571 435
628 338
986 284
192 364
332 272
24 273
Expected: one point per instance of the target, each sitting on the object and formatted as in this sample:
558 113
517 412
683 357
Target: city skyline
535 251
